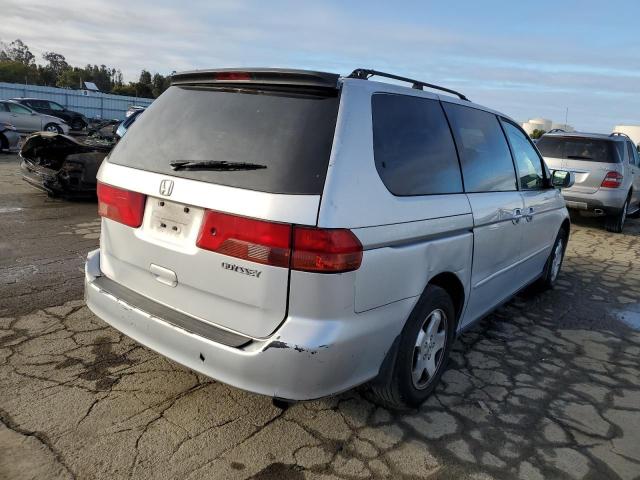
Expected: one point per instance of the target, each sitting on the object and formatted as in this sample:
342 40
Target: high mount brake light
123 206
269 243
231 76
612 180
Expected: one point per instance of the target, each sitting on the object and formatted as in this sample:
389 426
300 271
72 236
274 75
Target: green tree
16 72
56 65
160 84
16 51
537 133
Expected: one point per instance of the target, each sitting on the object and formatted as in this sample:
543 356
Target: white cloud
505 70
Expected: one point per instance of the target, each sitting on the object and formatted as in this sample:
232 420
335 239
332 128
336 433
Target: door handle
164 275
530 213
517 215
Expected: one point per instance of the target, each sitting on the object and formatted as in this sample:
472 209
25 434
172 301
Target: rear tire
615 223
4 143
421 354
554 262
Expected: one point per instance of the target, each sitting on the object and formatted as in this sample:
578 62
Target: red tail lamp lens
123 206
246 238
612 180
325 250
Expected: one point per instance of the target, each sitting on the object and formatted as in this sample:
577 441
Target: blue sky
527 59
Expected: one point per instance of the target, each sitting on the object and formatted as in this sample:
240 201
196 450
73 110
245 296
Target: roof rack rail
557 130
365 74
620 134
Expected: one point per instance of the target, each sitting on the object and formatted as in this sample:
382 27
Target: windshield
287 132
580 148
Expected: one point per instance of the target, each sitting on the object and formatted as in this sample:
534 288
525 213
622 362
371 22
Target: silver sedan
27 120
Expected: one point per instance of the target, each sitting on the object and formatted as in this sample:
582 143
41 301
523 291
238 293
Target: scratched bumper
304 359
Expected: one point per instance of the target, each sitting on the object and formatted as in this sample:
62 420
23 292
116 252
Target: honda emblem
166 187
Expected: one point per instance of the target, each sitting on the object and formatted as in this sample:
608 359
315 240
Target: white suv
297 233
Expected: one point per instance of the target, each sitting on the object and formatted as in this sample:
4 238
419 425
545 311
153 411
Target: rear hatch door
251 152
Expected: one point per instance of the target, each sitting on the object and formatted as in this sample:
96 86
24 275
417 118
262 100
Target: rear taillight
325 250
612 180
246 238
120 205
269 243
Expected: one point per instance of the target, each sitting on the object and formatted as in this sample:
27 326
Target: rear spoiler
258 77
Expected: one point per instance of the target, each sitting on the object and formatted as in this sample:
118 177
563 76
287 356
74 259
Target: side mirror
33 114
562 179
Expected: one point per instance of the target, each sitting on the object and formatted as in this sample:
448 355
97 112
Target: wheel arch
451 283
566 226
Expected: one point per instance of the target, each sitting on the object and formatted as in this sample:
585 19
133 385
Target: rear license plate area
171 221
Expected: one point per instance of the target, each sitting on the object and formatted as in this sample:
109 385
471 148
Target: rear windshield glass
579 148
288 133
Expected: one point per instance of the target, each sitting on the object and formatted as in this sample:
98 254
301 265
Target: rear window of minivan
288 132
581 148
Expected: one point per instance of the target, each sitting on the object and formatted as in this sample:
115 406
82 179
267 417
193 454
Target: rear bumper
609 200
306 358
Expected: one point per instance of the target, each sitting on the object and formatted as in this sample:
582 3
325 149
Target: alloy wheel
429 348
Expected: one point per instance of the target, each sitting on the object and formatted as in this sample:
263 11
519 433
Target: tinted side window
528 162
413 149
15 108
632 157
486 161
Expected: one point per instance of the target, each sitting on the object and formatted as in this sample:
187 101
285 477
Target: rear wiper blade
214 165
578 157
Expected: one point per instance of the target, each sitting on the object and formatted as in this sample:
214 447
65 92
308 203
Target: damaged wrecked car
61 165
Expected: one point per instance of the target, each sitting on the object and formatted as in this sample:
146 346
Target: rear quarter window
413 148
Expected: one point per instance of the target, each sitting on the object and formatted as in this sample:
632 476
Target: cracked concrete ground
546 387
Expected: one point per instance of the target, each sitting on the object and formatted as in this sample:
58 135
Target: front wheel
615 223
52 127
421 354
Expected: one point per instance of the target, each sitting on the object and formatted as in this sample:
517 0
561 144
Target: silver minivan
300 233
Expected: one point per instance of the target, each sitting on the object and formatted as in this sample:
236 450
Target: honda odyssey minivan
301 233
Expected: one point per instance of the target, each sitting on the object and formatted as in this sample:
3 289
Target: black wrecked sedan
61 165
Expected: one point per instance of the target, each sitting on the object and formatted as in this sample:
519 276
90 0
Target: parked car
300 233
127 122
76 120
61 165
26 120
9 137
607 171
65 166
132 109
